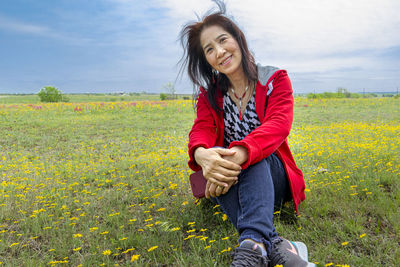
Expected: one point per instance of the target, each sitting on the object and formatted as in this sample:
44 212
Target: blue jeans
250 203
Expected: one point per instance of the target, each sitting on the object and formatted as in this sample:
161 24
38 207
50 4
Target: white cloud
314 30
21 27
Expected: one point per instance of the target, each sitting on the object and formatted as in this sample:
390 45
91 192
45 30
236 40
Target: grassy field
78 98
106 184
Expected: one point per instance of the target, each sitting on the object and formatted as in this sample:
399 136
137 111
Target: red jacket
270 136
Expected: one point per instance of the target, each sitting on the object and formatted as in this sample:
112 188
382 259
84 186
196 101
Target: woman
238 140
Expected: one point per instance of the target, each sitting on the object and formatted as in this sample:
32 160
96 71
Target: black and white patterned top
236 129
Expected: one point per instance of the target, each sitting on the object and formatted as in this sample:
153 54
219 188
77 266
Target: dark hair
199 71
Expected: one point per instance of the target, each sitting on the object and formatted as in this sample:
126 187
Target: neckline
241 116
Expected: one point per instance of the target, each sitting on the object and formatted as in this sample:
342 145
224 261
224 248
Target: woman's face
221 50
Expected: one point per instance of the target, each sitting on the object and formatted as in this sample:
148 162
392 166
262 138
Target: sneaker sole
303 252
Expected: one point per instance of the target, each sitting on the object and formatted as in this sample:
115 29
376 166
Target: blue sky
107 46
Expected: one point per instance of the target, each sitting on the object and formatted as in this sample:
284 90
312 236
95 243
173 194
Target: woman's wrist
197 154
241 155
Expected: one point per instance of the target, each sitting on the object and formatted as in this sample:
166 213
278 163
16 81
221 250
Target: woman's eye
222 40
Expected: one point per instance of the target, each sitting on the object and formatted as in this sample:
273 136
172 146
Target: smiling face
221 50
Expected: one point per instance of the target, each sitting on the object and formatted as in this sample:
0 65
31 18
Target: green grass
82 98
97 184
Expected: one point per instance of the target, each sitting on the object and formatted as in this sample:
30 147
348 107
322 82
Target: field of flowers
106 184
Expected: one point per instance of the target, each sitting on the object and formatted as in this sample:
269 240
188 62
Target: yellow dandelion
77 235
207 247
126 251
190 236
152 248
224 217
345 243
362 235
107 252
135 258
175 229
226 250
77 249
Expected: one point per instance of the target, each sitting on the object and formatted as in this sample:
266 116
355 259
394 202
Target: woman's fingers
207 192
226 189
217 182
223 178
212 189
216 190
229 165
219 190
224 151
220 172
226 172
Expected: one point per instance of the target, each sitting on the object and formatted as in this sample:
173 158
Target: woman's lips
226 61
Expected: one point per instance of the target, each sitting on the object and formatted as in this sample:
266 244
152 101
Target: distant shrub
186 98
51 94
163 96
343 93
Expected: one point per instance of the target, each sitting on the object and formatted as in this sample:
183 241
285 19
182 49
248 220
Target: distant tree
343 91
170 87
51 94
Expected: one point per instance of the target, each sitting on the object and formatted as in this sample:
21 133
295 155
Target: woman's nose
220 51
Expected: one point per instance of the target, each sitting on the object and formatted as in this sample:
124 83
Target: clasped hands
221 167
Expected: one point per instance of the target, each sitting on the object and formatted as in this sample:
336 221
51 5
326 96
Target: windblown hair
199 71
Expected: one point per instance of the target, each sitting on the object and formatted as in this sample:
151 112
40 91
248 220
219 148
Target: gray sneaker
249 255
286 253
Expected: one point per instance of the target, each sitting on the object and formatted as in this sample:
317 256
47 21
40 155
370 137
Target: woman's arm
203 155
203 132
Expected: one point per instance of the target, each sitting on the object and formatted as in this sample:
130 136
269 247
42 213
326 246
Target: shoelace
276 257
244 257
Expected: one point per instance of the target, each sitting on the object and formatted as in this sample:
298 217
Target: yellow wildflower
152 248
107 252
134 258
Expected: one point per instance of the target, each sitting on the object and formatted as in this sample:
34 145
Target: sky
109 46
